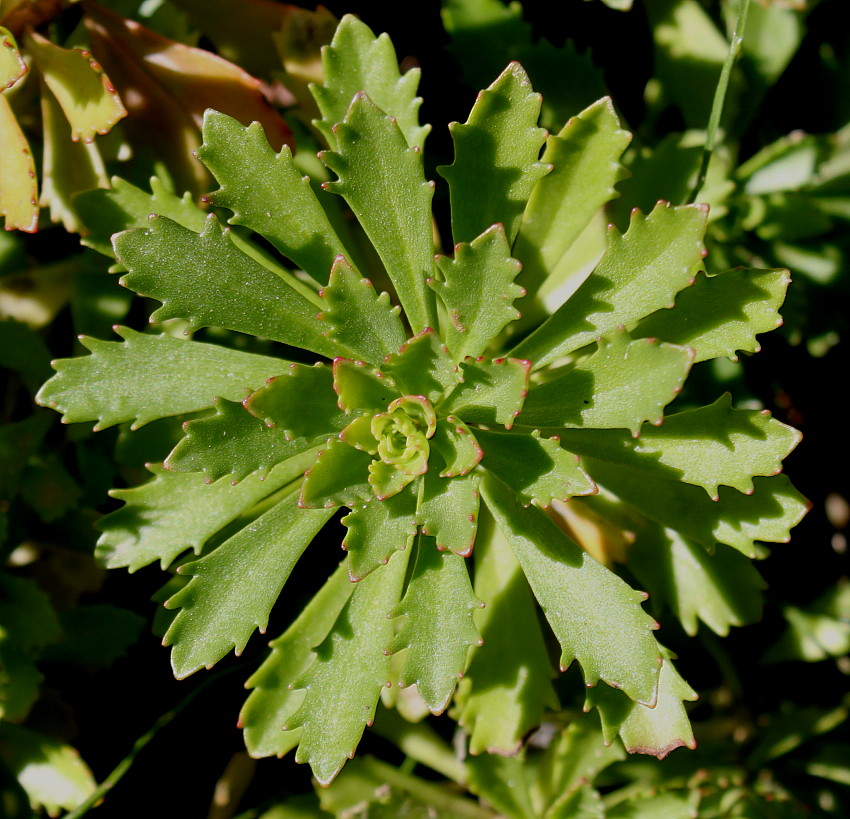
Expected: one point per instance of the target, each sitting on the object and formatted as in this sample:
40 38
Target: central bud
402 433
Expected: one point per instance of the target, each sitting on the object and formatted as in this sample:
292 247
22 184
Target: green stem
124 765
720 97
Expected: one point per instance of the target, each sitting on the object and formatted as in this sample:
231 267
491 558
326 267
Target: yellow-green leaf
86 94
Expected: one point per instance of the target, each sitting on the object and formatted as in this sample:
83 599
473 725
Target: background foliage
771 723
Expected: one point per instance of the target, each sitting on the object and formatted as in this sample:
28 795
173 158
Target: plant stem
720 97
124 765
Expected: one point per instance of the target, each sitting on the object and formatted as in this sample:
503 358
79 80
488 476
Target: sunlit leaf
360 388
272 700
491 391
423 366
18 186
437 629
478 291
51 772
457 446
377 529
585 160
301 402
720 315
499 702
657 730
12 65
357 317
357 61
274 198
535 468
383 181
596 617
124 206
496 157
235 444
642 271
175 512
339 477
211 277
449 511
233 588
709 447
86 94
145 377
344 682
622 384
736 519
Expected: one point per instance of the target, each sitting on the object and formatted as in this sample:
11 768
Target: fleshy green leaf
596 617
361 388
356 61
301 402
268 193
449 511
344 682
339 477
575 757
657 730
18 185
377 529
145 377
383 181
437 630
641 272
585 160
496 153
535 468
387 480
721 589
720 315
423 366
233 588
457 446
205 279
708 447
233 443
505 782
12 65
175 512
87 97
738 520
358 318
124 206
478 291
68 165
499 702
622 384
491 391
51 772
272 701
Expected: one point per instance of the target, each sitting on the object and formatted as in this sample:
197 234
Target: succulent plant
476 450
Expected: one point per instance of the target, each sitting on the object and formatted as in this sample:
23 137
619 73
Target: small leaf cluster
504 405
